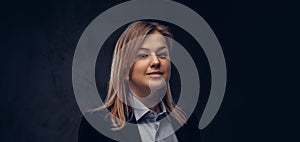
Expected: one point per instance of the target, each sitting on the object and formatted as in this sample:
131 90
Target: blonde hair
123 56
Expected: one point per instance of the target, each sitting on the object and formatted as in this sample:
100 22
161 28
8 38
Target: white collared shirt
152 126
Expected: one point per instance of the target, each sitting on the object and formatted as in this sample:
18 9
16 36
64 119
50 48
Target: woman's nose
155 62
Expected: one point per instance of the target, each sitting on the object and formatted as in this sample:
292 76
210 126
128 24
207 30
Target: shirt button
156 126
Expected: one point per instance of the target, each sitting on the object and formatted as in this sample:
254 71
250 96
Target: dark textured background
259 40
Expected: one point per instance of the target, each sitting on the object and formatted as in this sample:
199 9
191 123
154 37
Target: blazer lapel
189 131
131 132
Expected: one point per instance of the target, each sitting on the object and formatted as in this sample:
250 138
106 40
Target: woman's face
151 69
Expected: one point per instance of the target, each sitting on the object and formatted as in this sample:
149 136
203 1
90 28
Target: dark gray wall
38 40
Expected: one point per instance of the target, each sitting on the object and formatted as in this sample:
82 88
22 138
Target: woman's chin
157 83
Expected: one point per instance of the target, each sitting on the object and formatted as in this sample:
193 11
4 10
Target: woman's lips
155 74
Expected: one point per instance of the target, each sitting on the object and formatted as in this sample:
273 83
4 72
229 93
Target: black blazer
87 133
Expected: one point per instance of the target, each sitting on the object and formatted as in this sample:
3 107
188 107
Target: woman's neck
156 108
151 101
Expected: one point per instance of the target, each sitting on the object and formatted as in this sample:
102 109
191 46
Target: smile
155 74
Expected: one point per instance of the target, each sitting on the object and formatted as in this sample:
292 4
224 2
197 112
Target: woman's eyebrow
144 49
159 49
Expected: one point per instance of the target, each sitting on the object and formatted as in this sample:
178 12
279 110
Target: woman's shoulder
97 126
91 123
189 130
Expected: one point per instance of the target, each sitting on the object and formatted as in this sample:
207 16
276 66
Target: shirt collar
140 109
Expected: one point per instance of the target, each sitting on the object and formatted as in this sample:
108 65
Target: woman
139 91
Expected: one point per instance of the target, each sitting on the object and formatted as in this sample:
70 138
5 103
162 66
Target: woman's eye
163 55
142 56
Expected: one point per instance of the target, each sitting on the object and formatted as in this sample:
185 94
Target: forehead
154 41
